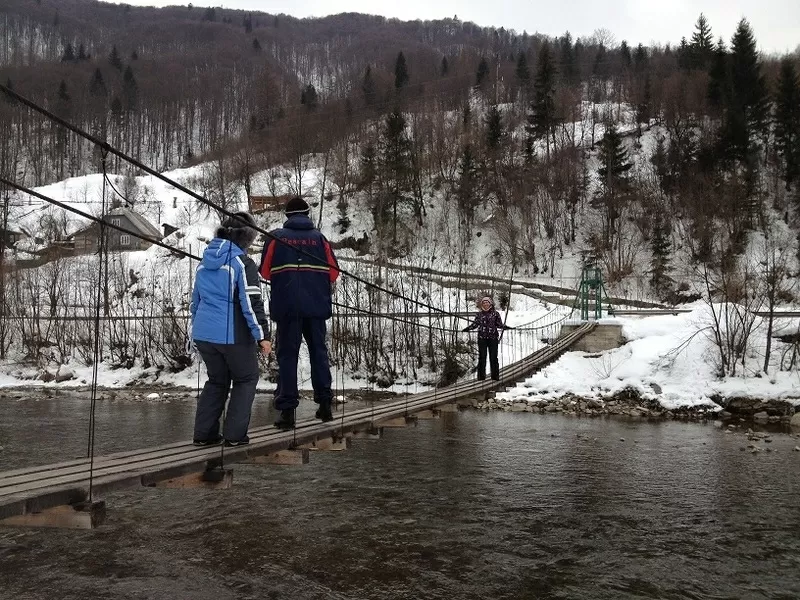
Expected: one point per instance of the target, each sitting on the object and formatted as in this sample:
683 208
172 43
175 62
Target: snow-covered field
667 358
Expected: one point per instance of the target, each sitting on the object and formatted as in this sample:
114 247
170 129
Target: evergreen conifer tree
401 78
787 121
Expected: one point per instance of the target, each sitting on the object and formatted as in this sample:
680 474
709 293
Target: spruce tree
395 163
684 60
114 59
368 87
82 53
494 128
309 97
368 163
613 175
749 103
400 72
522 73
542 119
444 69
600 68
787 121
640 58
467 182
661 248
256 45
702 44
130 90
97 87
719 78
569 68
10 99
69 54
625 54
644 106
481 75
63 95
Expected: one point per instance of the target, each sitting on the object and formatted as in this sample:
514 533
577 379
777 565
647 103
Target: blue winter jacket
226 300
301 268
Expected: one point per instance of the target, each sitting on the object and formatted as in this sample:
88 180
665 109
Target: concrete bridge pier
604 336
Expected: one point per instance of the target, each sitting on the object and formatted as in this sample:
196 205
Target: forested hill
562 142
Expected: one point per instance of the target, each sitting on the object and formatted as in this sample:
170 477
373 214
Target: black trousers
226 364
489 346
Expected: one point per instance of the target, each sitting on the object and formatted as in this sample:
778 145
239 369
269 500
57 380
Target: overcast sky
776 22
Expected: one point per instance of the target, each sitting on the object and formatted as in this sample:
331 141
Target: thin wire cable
101 248
173 249
110 149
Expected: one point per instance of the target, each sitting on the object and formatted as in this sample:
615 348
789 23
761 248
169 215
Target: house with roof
85 241
260 204
9 237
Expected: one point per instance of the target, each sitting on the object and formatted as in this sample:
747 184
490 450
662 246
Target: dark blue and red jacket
301 268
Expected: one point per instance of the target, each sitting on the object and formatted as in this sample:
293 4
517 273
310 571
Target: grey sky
776 22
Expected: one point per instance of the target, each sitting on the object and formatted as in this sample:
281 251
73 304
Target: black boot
286 420
324 413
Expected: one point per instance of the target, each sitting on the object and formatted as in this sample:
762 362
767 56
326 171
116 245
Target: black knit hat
297 206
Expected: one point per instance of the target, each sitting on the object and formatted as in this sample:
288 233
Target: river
474 505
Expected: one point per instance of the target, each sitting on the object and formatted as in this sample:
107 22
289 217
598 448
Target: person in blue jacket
301 266
229 327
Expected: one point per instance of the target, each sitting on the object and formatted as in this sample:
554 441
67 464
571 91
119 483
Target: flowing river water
473 505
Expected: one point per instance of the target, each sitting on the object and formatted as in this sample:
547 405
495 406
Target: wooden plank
295 456
84 515
215 479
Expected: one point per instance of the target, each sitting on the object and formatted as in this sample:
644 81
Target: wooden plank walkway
34 489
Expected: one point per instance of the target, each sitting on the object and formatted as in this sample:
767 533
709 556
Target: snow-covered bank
668 362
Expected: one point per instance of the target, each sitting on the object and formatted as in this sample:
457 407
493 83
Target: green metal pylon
591 293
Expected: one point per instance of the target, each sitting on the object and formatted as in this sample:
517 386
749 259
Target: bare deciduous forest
681 152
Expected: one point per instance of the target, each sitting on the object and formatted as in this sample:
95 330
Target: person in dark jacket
301 268
229 327
488 323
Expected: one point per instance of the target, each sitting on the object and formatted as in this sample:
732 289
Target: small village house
86 240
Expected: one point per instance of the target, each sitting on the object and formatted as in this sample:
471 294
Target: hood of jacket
220 252
301 222
491 303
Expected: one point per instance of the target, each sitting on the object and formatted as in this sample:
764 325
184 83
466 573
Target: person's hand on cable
265 346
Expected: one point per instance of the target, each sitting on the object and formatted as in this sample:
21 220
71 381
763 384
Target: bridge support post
291 456
331 444
211 479
399 422
82 515
373 433
427 414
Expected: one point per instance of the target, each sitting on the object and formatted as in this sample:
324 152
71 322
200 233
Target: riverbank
630 402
